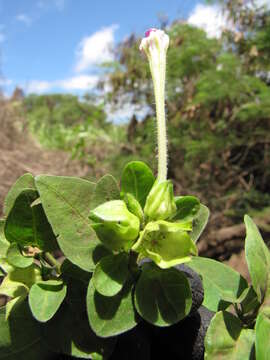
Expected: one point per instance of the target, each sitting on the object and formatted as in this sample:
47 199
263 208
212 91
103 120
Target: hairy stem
158 72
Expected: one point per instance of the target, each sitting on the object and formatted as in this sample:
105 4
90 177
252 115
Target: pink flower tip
148 32
155 40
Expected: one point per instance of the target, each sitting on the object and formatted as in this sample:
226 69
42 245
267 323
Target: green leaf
110 316
45 298
16 258
17 291
68 332
221 283
20 335
227 340
199 222
249 303
11 304
4 244
137 179
13 288
258 260
187 207
66 201
28 276
5 266
28 226
25 182
106 189
73 273
111 274
162 297
262 330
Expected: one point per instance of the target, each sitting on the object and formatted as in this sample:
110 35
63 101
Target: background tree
218 109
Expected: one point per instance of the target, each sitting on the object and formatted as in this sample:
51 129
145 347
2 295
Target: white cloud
262 2
213 19
210 18
123 115
92 51
81 82
5 82
24 19
95 49
38 87
125 109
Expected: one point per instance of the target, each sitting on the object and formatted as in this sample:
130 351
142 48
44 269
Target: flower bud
155 44
134 206
115 226
167 244
160 203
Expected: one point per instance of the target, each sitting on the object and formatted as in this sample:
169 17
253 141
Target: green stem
52 261
158 72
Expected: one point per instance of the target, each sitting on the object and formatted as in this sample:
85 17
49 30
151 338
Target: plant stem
158 71
52 261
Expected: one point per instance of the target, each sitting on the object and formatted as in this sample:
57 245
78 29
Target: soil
20 153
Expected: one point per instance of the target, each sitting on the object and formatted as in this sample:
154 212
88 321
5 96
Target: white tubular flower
155 45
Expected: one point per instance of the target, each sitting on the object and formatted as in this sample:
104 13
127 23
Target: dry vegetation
19 153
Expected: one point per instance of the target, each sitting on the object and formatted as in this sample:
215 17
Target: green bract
134 207
116 227
160 203
167 244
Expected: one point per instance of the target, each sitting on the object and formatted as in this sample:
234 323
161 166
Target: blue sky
55 45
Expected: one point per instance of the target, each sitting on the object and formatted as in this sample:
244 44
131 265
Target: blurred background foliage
218 111
65 122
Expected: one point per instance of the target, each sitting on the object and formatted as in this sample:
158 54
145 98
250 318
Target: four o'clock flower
122 225
155 45
166 243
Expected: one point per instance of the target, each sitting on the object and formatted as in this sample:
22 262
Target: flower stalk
155 45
